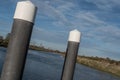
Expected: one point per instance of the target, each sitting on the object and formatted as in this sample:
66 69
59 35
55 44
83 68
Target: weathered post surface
19 41
71 55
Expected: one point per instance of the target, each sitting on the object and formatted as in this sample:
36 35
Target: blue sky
98 20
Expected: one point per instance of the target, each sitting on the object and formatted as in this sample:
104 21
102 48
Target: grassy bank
103 64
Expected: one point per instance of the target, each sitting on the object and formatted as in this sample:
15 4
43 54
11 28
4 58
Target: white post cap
74 36
25 10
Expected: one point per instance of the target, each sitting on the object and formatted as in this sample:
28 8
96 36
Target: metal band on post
71 55
19 41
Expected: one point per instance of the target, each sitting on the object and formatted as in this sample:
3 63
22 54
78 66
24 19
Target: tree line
4 42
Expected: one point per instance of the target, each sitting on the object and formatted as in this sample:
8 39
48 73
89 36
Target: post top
75 30
74 35
27 2
25 10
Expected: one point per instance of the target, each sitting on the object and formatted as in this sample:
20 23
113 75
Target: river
48 66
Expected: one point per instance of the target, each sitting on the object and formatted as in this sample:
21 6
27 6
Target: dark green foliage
42 48
1 39
4 42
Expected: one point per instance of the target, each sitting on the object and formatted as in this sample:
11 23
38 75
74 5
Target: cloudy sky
97 20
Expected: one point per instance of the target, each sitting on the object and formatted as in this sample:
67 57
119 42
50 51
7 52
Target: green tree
6 40
8 37
1 39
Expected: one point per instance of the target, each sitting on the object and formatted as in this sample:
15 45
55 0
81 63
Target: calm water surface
48 66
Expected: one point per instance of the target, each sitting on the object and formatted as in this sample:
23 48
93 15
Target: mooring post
19 41
71 55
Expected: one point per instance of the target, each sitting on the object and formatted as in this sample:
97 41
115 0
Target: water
48 66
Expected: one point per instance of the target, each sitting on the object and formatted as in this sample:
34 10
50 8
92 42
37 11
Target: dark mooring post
19 41
71 55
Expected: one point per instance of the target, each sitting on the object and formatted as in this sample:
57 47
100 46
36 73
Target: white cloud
107 5
48 10
89 18
49 36
66 7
